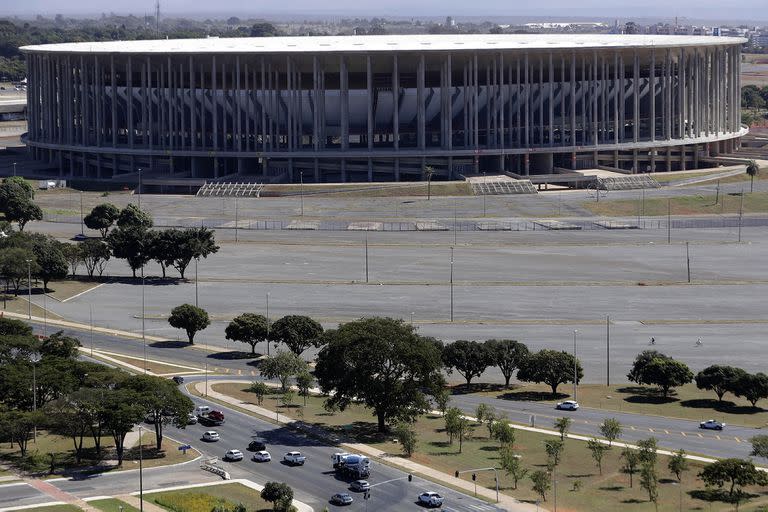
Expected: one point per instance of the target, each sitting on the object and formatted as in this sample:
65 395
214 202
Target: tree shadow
646 395
721 495
169 344
477 387
613 488
531 396
232 355
723 407
633 501
491 448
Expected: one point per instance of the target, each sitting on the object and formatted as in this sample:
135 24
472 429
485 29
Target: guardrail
210 466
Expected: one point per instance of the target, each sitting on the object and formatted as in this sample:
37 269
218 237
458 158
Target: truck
351 465
294 458
209 417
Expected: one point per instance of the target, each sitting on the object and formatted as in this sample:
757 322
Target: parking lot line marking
666 431
683 434
699 435
718 437
651 430
737 439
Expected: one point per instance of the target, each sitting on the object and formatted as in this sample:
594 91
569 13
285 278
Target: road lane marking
683 434
666 431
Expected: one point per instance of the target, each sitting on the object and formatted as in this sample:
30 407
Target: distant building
450 22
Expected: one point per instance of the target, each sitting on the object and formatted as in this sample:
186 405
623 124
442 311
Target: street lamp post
143 331
29 288
301 191
267 324
81 214
196 260
14 168
141 473
451 284
575 374
412 313
484 194
139 188
35 359
90 315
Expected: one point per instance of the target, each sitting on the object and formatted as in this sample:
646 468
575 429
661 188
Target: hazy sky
699 9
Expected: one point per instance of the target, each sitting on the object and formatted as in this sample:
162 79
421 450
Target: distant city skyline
751 11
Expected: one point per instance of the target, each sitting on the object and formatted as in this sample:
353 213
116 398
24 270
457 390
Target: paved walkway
134 502
507 502
59 495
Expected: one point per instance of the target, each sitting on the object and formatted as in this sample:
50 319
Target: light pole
451 284
81 213
412 317
29 288
90 314
575 374
35 359
366 256
141 473
139 188
206 375
267 324
301 191
14 168
45 314
484 194
236 220
196 260
143 335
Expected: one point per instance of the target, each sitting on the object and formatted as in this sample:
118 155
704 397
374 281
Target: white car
712 425
262 456
233 455
294 458
211 436
430 499
568 405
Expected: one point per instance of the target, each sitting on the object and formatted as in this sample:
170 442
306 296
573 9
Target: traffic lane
316 481
671 433
20 494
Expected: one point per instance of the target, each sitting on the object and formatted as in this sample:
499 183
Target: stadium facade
381 108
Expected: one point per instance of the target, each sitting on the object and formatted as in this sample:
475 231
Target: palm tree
429 171
752 170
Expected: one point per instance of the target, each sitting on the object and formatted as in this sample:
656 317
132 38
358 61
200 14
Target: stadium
381 108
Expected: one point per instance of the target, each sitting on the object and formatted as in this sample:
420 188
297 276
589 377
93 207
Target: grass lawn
683 205
598 493
112 505
415 189
686 402
67 288
20 305
54 508
203 499
37 459
665 177
156 368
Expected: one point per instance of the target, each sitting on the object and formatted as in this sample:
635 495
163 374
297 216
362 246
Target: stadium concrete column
420 114
369 121
344 81
396 110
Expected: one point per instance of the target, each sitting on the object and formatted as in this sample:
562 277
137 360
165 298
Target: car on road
294 458
568 405
712 425
233 455
261 456
191 419
430 499
360 485
79 237
178 380
211 436
256 446
341 498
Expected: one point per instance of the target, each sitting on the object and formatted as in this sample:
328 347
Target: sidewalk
59 495
507 502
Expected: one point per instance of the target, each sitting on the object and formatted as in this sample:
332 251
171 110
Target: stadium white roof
386 43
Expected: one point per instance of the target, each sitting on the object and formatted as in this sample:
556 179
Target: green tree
752 170
631 458
282 366
442 398
661 371
51 262
647 449
122 410
468 358
597 449
248 328
463 430
193 243
551 367
190 318
541 483
736 473
260 389
507 355
406 436
161 401
759 446
279 494
288 397
678 464
563 425
451 418
554 450
649 481
95 255
131 244
164 247
296 331
718 378
101 218
611 430
512 466
751 97
60 346
382 363
132 217
504 433
73 254
486 414
14 267
304 381
16 202
12 327
17 426
752 387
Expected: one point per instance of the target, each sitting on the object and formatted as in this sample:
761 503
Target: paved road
20 494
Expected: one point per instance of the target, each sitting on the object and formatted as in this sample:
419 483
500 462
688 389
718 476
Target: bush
190 502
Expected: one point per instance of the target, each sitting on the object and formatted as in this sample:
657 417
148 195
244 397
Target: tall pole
366 256
455 224
143 336
575 373
451 284
669 220
141 473
206 374
29 289
741 211
35 359
688 260
81 213
45 314
196 260
14 168
90 315
139 188
236 220
484 195
267 324
607 350
301 191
